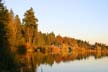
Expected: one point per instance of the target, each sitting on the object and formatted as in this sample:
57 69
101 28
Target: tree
3 27
7 57
59 39
30 26
18 31
11 30
50 38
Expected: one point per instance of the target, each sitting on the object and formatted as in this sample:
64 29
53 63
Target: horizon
79 19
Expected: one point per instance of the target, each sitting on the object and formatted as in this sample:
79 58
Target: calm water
89 64
74 62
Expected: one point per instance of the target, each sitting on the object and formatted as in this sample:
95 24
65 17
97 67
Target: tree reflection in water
31 61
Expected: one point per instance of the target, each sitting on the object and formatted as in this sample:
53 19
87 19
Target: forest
21 36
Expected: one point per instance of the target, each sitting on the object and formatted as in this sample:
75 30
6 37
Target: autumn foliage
20 37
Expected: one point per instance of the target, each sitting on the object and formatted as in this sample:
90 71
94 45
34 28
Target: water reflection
31 61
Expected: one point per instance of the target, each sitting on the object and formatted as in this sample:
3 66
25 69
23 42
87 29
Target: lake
77 61
89 64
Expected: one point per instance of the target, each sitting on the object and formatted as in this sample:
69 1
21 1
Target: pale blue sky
81 19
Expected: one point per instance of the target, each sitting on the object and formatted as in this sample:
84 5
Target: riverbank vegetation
20 37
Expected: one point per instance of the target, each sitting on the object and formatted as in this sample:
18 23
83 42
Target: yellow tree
12 29
30 26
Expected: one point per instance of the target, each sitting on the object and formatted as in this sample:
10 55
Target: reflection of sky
88 65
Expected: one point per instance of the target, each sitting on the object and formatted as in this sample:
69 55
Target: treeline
25 33
17 36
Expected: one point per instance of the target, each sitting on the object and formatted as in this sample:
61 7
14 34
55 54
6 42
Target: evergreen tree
18 31
30 26
7 57
11 30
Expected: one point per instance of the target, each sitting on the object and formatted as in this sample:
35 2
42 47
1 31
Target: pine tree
7 57
30 26
18 31
11 30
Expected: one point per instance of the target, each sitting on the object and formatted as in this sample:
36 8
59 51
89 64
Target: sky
80 19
